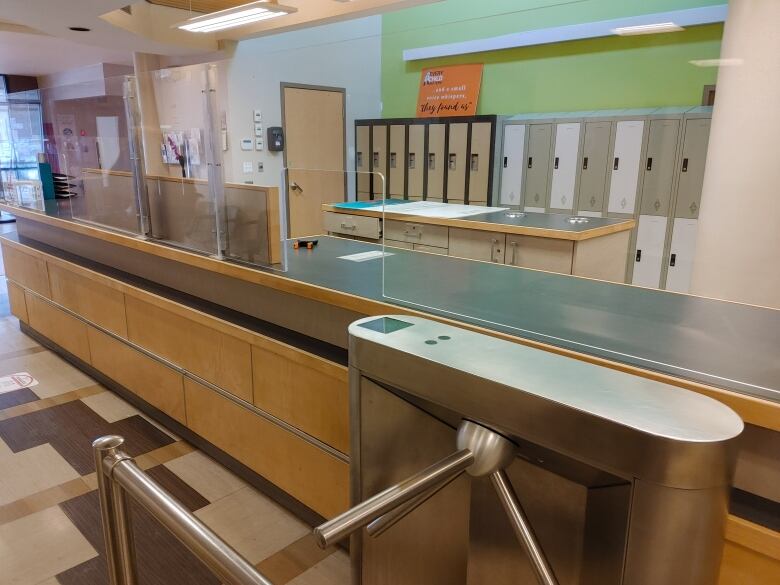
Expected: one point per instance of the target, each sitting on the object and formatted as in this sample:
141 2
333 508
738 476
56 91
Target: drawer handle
514 252
348 227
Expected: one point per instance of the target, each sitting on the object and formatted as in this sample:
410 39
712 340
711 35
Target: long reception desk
251 364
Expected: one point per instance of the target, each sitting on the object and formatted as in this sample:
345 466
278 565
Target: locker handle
412 158
453 161
393 158
376 160
639 255
616 166
432 160
557 159
585 163
474 162
650 164
359 159
673 260
506 161
530 162
685 165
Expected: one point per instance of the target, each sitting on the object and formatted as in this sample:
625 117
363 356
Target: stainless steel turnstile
480 461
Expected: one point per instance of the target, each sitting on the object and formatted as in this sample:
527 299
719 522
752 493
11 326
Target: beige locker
694 155
457 148
363 161
537 172
396 161
415 162
479 162
659 167
477 245
379 159
435 161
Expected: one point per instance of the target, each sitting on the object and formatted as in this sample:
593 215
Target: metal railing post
117 529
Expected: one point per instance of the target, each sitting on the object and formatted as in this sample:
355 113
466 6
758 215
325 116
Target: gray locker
694 155
363 162
479 162
396 161
435 161
537 171
415 161
593 169
659 167
379 159
457 147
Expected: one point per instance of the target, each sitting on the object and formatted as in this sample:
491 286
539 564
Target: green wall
594 74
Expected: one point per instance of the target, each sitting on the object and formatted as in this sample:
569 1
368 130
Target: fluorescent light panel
647 29
716 62
232 17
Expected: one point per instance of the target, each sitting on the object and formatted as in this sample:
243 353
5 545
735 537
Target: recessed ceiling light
716 62
79 28
648 29
238 16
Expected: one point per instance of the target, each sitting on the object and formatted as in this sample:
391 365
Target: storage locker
480 149
537 168
565 162
396 161
379 159
457 147
694 155
435 161
415 161
362 162
593 168
626 159
659 166
680 267
648 257
512 165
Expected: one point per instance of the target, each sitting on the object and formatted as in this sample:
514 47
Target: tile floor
50 530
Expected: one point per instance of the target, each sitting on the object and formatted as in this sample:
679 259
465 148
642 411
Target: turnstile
477 460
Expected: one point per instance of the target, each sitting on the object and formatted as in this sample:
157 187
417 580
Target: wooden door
314 130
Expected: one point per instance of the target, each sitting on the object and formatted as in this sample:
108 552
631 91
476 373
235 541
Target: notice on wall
449 91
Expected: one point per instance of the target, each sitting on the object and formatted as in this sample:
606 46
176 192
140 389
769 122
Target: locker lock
639 255
673 260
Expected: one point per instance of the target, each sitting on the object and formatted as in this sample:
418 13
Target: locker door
512 164
456 162
648 258
659 166
435 162
694 155
537 167
593 173
396 161
379 159
678 275
415 161
479 162
626 158
565 161
362 162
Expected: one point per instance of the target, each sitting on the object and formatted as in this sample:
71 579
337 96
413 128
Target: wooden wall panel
89 298
214 356
743 566
306 391
17 302
63 329
153 382
27 270
314 477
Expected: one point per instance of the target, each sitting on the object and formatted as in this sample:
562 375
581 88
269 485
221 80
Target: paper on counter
438 210
363 256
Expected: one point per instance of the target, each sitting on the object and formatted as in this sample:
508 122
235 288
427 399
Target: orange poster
449 91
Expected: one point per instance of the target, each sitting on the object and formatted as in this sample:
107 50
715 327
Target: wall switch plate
258 129
247 167
258 116
246 144
260 167
259 144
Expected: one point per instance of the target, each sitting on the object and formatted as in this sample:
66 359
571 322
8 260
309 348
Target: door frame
286 84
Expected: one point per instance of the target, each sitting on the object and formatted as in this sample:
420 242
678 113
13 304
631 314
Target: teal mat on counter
368 204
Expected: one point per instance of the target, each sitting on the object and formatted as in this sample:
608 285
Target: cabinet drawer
539 253
477 245
17 302
27 270
63 329
151 381
417 233
397 244
309 474
352 225
431 249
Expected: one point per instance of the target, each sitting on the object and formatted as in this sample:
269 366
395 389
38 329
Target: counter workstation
591 247
250 364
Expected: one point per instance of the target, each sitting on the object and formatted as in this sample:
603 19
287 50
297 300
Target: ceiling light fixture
647 29
238 16
716 62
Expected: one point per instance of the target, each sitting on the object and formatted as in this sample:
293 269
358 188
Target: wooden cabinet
160 386
476 245
205 351
17 302
303 390
417 233
540 253
352 225
27 270
63 329
314 477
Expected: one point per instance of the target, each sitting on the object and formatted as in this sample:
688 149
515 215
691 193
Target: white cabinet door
678 276
648 258
625 166
512 164
565 163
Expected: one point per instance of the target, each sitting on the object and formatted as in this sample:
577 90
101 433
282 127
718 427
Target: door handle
585 163
296 187
530 162
685 165
557 159
616 164
514 252
673 260
506 161
650 164
639 255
